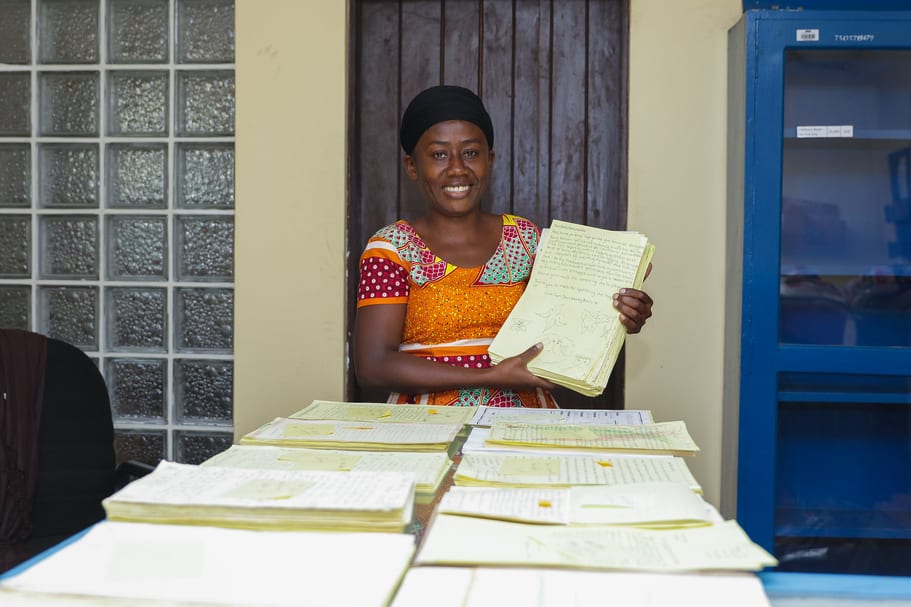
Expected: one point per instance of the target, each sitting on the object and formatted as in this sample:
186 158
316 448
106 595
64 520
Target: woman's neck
466 241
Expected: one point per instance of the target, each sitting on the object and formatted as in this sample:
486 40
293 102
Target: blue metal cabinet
820 237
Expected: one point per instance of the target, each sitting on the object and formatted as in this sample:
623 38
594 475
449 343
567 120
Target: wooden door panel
606 110
375 154
553 74
531 110
461 31
496 59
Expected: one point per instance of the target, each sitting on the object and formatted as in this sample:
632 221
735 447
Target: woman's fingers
530 353
635 307
514 371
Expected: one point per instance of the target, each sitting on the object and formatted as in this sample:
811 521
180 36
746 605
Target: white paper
485 416
723 546
223 566
488 587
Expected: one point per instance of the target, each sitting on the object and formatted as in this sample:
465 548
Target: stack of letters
551 507
266 499
568 305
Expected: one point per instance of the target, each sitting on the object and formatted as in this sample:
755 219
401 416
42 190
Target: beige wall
289 348
290 233
677 147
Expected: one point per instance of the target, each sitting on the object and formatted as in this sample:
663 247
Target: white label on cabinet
808 35
836 130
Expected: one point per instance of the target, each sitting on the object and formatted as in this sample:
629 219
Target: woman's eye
470 153
439 155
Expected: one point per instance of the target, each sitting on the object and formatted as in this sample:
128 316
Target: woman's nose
456 164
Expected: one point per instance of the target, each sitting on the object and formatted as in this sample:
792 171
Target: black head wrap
438 104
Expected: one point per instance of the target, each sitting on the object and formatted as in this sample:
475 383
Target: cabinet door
845 265
825 432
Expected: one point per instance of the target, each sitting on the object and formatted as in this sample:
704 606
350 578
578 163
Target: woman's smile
456 190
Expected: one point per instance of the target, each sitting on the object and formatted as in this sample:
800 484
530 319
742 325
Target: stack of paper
651 506
485 416
665 438
138 564
716 547
382 412
266 499
555 471
494 587
354 435
568 305
428 469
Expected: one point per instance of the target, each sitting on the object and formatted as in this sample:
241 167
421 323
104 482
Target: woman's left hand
635 308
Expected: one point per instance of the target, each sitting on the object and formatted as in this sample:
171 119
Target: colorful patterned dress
453 313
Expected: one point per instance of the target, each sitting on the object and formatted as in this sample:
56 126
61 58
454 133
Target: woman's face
452 164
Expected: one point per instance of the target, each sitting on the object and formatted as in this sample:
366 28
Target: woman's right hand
513 372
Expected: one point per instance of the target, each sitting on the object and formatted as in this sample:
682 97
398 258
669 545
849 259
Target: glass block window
117 205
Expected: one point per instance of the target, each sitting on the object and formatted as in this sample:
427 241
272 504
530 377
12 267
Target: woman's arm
379 364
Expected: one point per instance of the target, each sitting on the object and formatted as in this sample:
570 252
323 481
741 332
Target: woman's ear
410 169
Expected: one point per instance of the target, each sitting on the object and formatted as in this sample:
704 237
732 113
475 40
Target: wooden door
553 75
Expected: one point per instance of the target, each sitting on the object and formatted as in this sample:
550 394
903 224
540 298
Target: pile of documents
721 546
266 499
556 471
428 469
354 435
666 438
582 490
554 507
384 412
652 506
568 305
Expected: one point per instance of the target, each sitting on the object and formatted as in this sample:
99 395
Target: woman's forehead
453 131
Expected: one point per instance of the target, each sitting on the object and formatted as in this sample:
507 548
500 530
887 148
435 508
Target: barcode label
807 35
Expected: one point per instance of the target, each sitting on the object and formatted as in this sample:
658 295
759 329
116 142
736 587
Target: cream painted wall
291 99
289 338
677 148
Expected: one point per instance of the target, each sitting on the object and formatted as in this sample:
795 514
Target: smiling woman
434 292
